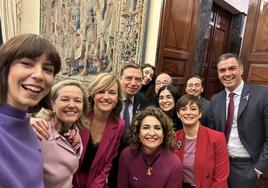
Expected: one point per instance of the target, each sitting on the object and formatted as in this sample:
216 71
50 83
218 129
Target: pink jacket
60 160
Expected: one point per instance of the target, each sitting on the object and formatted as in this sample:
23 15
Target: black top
177 124
89 155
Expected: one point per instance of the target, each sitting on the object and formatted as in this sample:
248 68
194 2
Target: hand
40 128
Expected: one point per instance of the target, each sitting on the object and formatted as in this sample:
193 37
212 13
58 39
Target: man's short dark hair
130 65
227 56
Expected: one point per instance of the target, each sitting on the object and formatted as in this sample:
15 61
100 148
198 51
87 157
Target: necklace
149 164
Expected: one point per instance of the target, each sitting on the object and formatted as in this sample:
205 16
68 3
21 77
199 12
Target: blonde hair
48 114
103 81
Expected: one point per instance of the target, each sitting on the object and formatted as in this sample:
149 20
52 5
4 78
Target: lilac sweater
21 164
167 170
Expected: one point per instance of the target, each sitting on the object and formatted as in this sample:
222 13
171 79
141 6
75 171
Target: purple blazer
107 150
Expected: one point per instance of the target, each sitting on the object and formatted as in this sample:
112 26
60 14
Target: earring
54 112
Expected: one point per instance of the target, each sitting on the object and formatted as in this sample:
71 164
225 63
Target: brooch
246 97
179 144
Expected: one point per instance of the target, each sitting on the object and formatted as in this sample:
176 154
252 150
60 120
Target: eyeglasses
164 83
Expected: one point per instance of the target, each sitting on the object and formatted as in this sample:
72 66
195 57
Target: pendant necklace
149 170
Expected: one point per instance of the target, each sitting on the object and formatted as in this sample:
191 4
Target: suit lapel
180 144
136 105
243 100
107 136
65 145
200 154
84 133
222 110
60 140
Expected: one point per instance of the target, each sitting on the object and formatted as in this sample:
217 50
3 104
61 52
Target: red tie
230 116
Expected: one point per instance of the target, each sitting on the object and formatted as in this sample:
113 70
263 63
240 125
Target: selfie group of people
134 129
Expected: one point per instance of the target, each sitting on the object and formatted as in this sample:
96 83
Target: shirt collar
131 99
237 91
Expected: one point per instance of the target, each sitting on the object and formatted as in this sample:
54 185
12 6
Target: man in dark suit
246 111
194 86
131 83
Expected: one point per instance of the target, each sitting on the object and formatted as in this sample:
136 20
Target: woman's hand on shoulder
40 127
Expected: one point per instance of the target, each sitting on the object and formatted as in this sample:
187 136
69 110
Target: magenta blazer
107 150
211 157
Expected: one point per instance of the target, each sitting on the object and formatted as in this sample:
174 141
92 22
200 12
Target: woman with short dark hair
203 151
28 64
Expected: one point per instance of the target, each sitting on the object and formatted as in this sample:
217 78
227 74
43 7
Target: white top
235 146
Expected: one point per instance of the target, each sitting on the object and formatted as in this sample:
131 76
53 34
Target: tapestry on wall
94 35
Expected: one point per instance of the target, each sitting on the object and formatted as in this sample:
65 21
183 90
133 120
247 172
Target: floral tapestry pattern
94 35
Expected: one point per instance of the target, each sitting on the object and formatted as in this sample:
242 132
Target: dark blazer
140 102
252 121
204 108
107 150
211 163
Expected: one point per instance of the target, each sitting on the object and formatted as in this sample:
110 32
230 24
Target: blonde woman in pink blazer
62 151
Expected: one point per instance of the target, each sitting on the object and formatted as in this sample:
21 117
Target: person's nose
106 95
164 99
38 73
151 132
71 103
227 73
148 77
188 111
133 82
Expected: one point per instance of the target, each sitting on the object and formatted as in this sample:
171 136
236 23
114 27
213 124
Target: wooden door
216 43
176 39
254 52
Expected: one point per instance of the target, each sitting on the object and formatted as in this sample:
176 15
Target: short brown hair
24 46
169 140
187 98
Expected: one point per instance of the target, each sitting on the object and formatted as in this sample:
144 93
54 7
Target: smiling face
162 80
148 74
151 134
166 100
29 80
194 86
189 114
69 104
106 99
131 81
230 73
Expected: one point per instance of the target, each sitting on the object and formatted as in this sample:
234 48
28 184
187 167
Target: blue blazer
252 121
